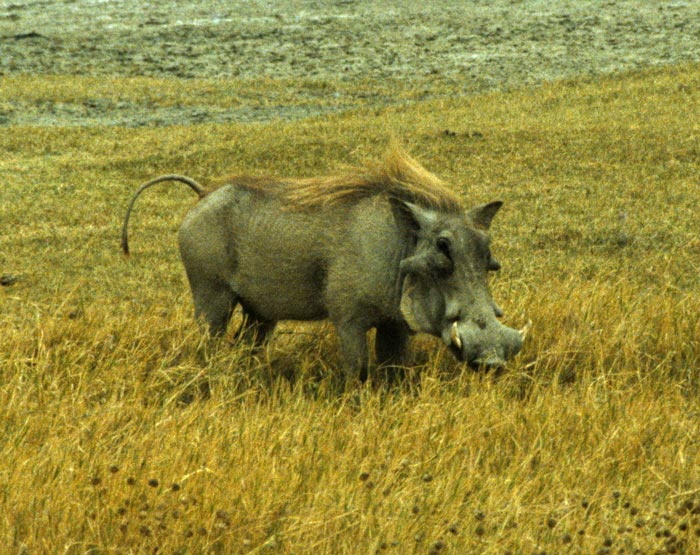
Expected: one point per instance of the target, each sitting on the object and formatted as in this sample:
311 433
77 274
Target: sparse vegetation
125 431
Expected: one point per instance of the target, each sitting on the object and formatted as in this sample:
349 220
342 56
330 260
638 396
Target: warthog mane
397 175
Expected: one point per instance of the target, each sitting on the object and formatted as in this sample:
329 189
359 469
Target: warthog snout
486 346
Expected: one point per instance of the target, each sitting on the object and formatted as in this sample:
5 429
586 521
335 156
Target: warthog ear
481 216
422 304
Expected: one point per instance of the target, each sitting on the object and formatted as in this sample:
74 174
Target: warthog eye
443 245
444 265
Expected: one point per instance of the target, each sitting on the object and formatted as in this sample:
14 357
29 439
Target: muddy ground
474 45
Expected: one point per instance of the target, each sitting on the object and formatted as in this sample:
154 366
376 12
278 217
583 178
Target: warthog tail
196 187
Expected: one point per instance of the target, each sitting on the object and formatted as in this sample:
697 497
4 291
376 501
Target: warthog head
445 288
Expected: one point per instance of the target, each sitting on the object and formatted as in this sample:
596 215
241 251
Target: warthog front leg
352 337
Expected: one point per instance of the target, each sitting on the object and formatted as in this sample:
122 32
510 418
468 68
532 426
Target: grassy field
124 431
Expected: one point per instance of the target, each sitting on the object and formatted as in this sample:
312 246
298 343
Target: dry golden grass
124 431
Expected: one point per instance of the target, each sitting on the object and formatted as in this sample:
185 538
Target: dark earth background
472 45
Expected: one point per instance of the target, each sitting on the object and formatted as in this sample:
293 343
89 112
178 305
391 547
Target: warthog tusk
455 336
526 328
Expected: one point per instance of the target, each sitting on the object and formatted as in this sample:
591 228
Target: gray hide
375 262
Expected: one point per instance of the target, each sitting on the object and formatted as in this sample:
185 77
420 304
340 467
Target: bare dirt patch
471 46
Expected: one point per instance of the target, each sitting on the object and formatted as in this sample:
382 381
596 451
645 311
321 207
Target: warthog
385 246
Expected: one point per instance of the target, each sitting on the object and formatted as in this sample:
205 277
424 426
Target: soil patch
474 46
